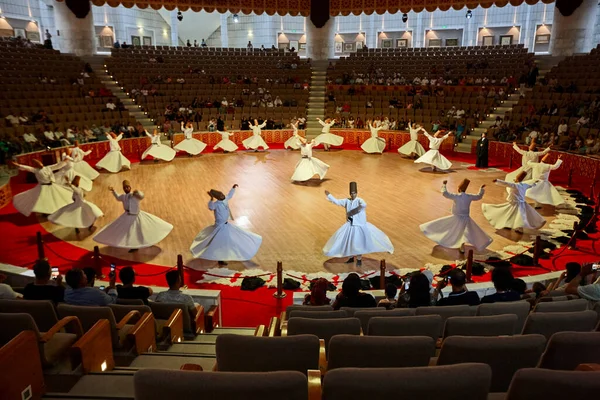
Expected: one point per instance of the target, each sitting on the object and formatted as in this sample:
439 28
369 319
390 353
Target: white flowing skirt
225 242
434 158
191 146
511 176
512 216
85 183
354 240
306 168
77 215
226 145
545 193
114 162
134 231
254 142
43 199
293 143
373 145
329 138
454 230
411 147
84 169
164 153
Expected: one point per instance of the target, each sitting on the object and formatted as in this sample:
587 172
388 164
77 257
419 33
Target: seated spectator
110 105
127 290
459 295
418 292
390 297
44 288
351 296
174 294
6 292
520 287
318 294
502 279
78 292
589 292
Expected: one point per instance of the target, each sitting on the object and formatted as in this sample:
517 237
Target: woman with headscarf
318 294
351 296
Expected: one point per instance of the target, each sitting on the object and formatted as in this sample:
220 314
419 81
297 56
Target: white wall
195 25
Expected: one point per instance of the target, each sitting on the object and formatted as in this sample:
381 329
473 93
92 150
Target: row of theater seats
202 50
498 49
402 359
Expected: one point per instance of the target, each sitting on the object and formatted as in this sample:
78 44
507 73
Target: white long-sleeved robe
157 150
114 161
526 157
190 145
326 137
81 166
308 166
67 173
515 213
224 241
134 229
459 228
79 214
255 141
544 192
46 197
433 156
356 236
412 146
294 141
225 144
374 144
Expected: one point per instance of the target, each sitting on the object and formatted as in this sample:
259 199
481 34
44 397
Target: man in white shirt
14 120
588 292
110 105
459 113
30 141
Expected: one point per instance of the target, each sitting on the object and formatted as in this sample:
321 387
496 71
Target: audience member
175 295
572 269
6 292
459 294
44 287
80 294
127 290
503 283
589 292
418 292
318 294
351 296
390 297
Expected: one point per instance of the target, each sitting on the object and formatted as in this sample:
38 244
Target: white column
574 34
224 32
174 28
419 33
77 35
319 41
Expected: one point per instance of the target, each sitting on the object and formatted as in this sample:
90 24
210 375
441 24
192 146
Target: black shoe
76 230
222 263
132 250
359 263
350 260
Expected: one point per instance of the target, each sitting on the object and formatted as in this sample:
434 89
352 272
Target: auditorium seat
536 383
493 325
447 312
455 382
236 353
323 328
548 324
505 355
318 314
353 310
294 307
365 315
156 384
165 313
566 350
42 311
347 351
562 306
519 308
54 345
170 361
422 325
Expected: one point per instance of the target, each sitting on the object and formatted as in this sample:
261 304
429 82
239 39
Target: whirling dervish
326 138
458 229
46 197
157 150
226 144
308 166
529 155
134 229
223 241
294 141
374 144
356 237
190 145
82 167
255 141
114 161
515 213
413 148
433 156
80 213
67 173
544 192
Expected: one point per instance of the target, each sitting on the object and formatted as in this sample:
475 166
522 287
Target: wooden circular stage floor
295 220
